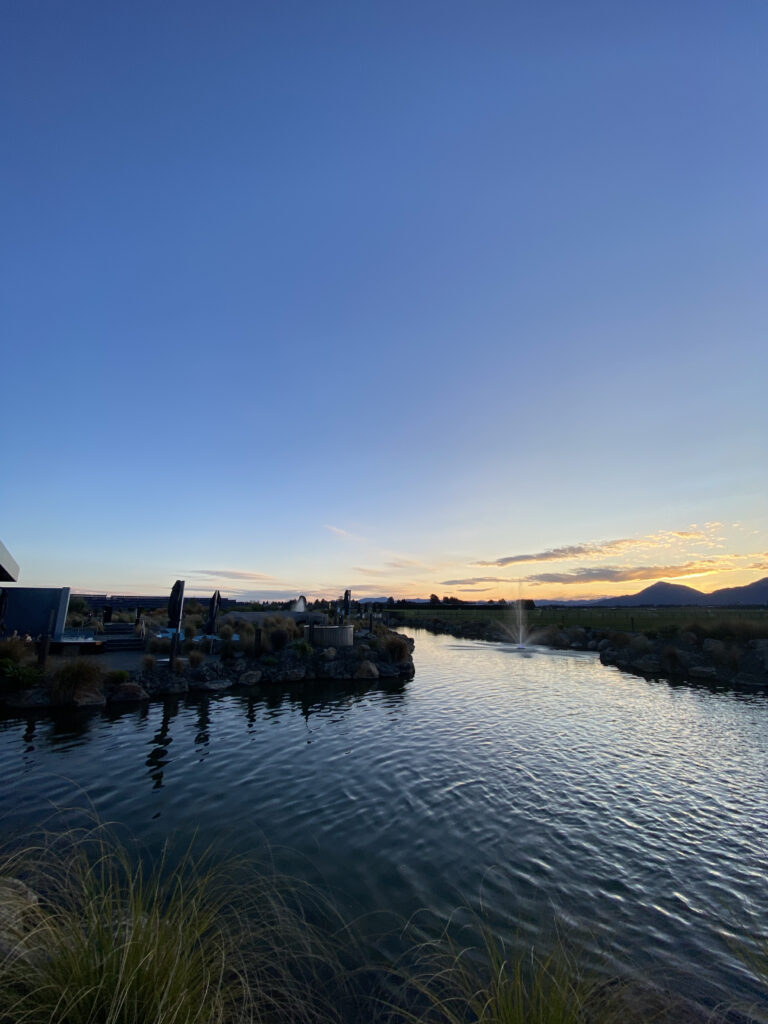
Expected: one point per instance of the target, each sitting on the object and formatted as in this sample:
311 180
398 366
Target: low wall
331 636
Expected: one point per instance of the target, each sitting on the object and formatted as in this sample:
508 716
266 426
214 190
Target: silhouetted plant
116 677
13 649
302 648
72 677
14 676
397 648
278 638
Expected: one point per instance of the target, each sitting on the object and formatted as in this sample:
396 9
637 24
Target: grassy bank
91 934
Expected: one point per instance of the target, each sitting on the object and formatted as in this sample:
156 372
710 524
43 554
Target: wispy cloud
550 555
473 581
369 572
597 549
228 574
620 574
337 530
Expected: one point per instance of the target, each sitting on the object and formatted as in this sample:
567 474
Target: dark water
543 791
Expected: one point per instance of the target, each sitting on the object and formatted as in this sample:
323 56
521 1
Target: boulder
128 692
329 653
171 686
37 697
89 697
210 685
713 648
648 665
292 674
367 670
251 678
703 673
750 681
760 649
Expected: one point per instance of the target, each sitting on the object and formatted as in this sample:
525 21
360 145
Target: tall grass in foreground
486 986
111 941
491 985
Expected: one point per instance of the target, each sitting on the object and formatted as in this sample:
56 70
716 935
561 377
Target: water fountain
520 632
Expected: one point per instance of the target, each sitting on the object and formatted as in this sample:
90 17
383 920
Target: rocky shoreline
681 657
374 655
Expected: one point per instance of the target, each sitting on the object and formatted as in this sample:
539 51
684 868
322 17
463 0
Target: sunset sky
402 297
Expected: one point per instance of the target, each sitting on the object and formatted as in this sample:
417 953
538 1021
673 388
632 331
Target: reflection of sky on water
548 787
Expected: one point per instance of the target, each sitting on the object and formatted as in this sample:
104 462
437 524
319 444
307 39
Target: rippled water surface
541 791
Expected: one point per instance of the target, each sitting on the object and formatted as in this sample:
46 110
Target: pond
541 791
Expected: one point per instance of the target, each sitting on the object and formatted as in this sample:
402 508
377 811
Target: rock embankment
686 657
374 656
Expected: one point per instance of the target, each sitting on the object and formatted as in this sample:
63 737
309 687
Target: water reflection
157 759
532 789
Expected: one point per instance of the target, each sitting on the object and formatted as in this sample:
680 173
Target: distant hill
677 594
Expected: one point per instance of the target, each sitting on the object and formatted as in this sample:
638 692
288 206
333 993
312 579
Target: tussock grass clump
196 659
397 649
292 628
226 632
278 638
74 676
160 645
492 985
149 664
112 941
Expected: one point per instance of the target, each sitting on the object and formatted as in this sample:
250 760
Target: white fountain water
523 636
522 625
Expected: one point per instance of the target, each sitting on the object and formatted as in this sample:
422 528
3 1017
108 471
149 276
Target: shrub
226 632
396 648
149 664
13 649
18 677
72 677
278 638
302 648
196 659
290 626
160 645
116 677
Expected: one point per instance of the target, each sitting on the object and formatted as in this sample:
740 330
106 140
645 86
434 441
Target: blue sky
304 296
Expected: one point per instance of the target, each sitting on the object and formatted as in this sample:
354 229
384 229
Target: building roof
9 570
